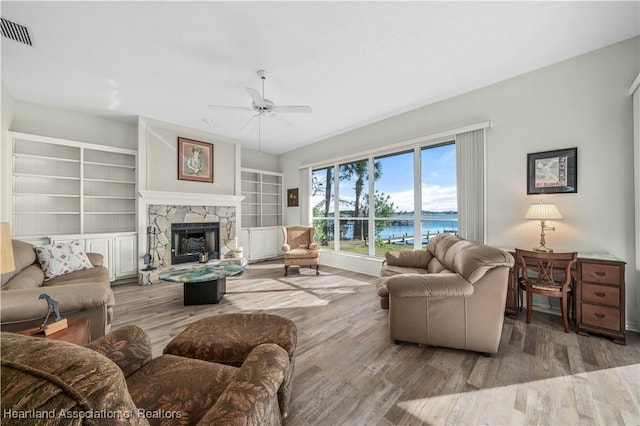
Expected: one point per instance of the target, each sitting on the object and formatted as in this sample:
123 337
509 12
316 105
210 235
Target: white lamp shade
6 249
543 211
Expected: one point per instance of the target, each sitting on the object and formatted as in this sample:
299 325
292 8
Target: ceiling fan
262 106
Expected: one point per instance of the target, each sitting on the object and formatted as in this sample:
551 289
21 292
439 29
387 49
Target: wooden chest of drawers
600 289
600 298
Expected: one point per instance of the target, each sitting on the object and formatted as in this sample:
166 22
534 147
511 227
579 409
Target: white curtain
470 163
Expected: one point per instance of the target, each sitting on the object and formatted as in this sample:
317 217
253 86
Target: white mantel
188 199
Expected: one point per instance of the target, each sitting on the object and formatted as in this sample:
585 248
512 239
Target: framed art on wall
195 160
292 197
552 172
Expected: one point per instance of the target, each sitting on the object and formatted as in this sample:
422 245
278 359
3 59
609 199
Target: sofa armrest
314 247
251 395
129 347
96 259
408 258
429 285
286 248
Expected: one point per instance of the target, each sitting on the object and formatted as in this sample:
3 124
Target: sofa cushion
62 258
30 277
23 256
440 244
97 274
473 261
178 384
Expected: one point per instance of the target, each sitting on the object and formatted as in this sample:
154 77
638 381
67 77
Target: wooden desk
78 332
600 295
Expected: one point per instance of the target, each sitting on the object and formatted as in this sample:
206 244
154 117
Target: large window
439 191
323 204
376 200
394 201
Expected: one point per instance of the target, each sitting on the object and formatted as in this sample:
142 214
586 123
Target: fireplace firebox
189 240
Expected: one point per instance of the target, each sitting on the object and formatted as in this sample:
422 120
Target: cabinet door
258 238
273 243
126 264
102 245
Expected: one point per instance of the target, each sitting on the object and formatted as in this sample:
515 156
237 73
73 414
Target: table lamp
543 212
6 249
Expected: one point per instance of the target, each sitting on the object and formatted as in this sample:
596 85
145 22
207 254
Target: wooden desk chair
547 274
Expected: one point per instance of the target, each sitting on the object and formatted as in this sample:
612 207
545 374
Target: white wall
259 160
158 168
6 112
57 123
583 102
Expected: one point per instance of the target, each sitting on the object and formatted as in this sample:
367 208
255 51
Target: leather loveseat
83 293
114 381
452 294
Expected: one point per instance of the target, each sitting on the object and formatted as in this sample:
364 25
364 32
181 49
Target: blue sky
438 180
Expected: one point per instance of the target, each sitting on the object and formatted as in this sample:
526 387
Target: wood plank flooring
348 371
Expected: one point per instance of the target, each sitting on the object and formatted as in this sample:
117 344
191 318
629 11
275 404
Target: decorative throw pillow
62 258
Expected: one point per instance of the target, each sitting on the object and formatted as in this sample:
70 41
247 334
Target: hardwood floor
348 371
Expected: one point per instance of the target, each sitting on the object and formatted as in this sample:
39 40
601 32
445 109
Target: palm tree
359 169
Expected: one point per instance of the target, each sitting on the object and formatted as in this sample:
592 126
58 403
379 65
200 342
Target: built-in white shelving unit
261 214
67 187
66 190
262 204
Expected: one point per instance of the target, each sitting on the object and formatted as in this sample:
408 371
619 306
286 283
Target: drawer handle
599 315
600 273
600 293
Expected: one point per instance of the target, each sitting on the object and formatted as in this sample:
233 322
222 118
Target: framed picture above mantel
195 160
552 172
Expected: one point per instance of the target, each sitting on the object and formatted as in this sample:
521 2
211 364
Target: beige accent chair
453 294
299 247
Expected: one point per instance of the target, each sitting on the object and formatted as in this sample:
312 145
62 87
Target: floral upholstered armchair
300 248
116 378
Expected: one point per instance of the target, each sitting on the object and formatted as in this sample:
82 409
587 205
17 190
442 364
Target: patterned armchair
300 248
116 376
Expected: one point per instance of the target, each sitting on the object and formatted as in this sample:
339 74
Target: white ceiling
353 62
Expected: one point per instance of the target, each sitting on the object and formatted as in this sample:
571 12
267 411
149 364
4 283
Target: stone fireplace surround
160 217
160 208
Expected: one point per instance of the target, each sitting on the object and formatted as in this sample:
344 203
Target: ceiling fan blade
292 108
230 107
250 124
281 119
255 96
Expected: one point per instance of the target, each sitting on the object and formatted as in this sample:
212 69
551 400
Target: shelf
44 157
41 212
122 166
111 213
33 194
108 197
109 181
29 175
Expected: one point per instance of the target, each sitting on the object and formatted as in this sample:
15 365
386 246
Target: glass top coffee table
203 283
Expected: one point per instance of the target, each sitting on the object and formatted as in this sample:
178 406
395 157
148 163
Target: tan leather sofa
85 293
115 381
452 294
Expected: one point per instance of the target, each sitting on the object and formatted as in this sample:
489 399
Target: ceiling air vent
15 32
